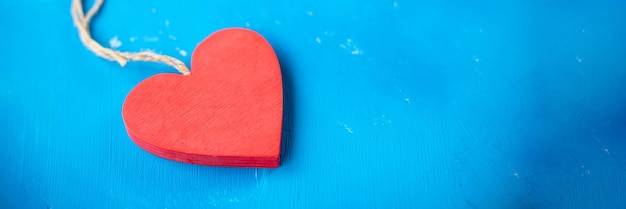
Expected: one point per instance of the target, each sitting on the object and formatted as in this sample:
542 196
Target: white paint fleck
153 10
382 121
181 52
516 175
151 39
247 24
398 88
167 23
318 40
132 39
579 59
309 13
345 126
348 128
351 47
607 151
395 4
407 100
115 43
172 37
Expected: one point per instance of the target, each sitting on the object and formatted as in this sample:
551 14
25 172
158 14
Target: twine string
81 20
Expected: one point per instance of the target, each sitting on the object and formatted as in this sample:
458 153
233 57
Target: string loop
81 20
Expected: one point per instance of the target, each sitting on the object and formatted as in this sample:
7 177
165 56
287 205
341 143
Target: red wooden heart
228 112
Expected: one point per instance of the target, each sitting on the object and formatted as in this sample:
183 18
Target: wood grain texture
227 113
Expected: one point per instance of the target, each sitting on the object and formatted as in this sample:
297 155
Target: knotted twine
81 20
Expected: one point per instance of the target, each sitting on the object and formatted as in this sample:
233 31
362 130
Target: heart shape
228 112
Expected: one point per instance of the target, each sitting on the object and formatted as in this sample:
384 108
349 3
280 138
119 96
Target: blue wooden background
389 104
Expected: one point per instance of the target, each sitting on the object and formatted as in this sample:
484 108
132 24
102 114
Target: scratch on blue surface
345 126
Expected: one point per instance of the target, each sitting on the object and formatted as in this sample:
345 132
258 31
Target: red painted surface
228 112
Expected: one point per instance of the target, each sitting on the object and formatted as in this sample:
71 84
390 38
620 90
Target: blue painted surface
390 104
